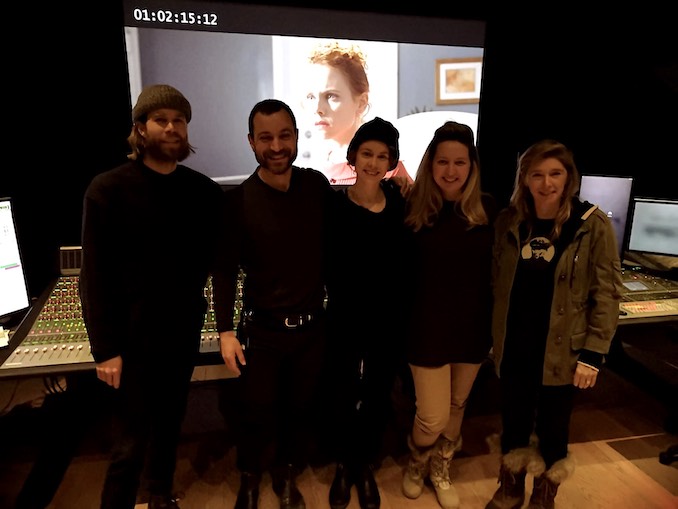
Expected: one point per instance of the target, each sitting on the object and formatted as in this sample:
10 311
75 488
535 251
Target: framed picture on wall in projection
458 80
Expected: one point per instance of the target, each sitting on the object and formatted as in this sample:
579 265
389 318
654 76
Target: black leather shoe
162 502
368 491
248 494
340 491
285 486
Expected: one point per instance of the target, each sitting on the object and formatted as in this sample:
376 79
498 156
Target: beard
277 166
170 153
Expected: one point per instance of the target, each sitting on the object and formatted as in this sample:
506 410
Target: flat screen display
654 227
225 57
613 195
14 297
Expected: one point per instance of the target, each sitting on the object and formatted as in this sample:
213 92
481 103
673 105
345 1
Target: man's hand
231 351
109 371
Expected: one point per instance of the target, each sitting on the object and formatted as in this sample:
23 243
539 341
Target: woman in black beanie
365 305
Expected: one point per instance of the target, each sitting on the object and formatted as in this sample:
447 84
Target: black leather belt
278 320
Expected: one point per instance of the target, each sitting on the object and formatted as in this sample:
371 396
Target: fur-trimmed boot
441 460
546 484
416 470
515 465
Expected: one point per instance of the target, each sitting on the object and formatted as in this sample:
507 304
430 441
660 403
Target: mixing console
58 335
648 296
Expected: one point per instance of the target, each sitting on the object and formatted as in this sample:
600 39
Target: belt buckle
293 325
301 319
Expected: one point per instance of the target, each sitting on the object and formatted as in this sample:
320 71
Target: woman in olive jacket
557 287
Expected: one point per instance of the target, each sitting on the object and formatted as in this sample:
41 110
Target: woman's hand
403 183
584 376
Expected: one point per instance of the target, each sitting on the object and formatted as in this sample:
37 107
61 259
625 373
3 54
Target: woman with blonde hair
557 287
449 335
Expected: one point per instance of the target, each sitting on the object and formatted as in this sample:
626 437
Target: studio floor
55 447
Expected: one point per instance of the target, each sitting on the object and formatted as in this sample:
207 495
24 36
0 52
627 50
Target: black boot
368 491
546 485
543 493
162 502
285 486
340 492
511 492
248 494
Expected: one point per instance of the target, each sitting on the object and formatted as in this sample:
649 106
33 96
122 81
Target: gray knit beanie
155 97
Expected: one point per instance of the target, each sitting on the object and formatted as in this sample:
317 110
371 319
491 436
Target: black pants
151 403
528 406
276 391
360 376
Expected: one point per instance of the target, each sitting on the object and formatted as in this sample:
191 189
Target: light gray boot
441 460
546 485
416 470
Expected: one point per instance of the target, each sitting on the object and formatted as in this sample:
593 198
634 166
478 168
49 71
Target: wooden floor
618 431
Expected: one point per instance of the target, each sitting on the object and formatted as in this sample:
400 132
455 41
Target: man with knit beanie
146 260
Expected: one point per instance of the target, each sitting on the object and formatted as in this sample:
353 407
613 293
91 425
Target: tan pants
441 396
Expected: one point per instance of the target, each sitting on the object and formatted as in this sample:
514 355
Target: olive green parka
586 295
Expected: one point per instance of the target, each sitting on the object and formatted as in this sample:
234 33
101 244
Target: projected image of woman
337 96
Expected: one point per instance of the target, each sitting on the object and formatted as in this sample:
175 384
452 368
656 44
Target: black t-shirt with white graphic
532 294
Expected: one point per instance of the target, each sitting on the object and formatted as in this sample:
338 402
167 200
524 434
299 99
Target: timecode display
180 17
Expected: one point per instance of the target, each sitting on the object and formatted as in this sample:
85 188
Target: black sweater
148 243
452 295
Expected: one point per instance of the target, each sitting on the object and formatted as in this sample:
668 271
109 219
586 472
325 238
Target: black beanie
155 97
377 129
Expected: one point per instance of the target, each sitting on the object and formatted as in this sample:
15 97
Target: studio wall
606 86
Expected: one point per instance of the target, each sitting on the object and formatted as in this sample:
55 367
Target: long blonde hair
426 199
522 200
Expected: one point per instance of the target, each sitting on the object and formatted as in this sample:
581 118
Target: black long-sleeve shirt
366 258
277 238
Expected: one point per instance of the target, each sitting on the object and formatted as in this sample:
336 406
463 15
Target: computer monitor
612 194
654 227
14 297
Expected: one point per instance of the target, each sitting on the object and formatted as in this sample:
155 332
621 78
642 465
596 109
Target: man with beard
276 223
146 258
